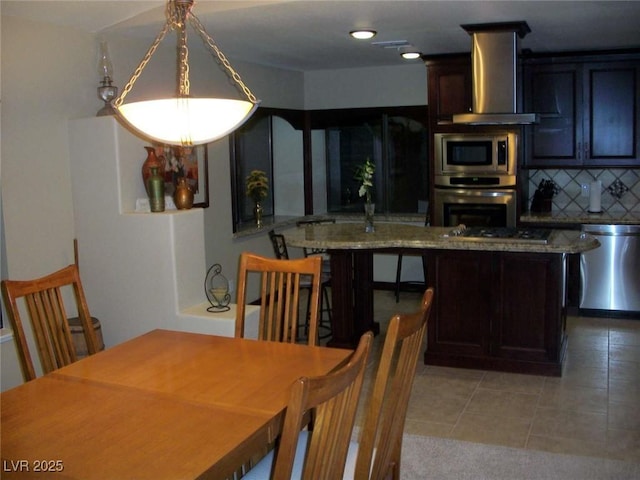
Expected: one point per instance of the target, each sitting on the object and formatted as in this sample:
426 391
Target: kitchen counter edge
581 218
351 236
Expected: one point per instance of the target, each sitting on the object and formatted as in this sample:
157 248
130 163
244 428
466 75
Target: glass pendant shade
105 68
187 121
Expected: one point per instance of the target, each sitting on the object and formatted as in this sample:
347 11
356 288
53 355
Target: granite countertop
580 217
352 236
280 222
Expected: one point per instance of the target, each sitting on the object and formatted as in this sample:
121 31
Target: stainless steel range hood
494 58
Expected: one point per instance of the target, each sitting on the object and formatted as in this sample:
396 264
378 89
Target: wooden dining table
164 405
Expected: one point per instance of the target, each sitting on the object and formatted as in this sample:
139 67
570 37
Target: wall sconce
183 119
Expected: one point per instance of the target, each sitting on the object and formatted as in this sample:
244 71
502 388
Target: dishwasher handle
611 230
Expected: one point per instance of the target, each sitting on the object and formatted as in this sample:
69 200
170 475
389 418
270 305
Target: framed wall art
189 162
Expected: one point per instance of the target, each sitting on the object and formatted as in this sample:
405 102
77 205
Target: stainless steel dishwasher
610 274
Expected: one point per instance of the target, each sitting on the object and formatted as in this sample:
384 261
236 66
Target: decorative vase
183 195
152 160
369 210
155 187
257 213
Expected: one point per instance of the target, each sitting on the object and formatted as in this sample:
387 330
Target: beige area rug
425 458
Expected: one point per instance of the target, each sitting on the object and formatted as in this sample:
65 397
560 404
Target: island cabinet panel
497 311
529 322
463 306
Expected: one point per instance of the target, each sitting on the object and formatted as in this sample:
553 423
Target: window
250 150
397 144
395 138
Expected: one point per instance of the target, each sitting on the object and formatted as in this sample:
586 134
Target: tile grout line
535 414
466 404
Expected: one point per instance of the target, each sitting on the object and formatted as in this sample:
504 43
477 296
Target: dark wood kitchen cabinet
589 111
498 310
449 87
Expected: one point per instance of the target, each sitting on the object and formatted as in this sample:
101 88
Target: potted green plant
257 189
364 174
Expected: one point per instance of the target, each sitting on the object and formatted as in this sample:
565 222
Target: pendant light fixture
183 119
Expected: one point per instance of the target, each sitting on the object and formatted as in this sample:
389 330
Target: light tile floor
593 409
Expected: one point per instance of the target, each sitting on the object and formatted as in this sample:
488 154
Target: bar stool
324 325
401 252
423 286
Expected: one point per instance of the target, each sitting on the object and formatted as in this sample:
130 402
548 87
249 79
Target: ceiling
313 35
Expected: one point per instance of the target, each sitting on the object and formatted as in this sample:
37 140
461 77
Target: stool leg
398 275
326 307
424 270
306 317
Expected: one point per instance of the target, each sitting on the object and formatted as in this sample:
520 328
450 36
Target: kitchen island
499 303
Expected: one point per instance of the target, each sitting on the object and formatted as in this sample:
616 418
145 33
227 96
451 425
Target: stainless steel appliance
475 159
474 207
494 62
486 234
475 178
610 274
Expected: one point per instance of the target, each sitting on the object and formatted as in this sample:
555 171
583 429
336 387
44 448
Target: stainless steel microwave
470 159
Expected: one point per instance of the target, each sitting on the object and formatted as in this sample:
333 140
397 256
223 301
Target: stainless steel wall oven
475 179
474 207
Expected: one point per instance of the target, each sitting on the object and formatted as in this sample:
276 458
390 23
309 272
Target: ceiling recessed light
363 34
410 55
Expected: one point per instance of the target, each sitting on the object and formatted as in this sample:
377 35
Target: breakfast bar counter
500 303
351 236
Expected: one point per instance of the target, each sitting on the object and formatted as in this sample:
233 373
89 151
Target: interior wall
288 170
39 95
366 87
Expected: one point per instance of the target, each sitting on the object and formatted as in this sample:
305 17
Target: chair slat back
335 400
45 307
386 413
280 284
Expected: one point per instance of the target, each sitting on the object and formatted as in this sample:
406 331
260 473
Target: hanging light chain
183 63
195 23
127 88
177 14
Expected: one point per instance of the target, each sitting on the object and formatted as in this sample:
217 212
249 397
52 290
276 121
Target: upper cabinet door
449 88
611 92
555 93
589 113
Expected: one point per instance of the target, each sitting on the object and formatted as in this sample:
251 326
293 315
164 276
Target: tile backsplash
620 188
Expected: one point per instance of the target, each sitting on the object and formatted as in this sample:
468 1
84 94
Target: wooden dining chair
281 251
280 282
45 305
318 454
377 455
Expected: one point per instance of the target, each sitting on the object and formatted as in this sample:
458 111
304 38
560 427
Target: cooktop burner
535 235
